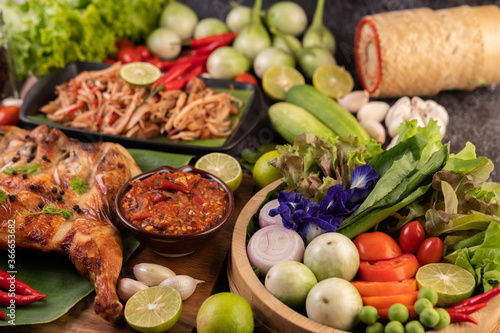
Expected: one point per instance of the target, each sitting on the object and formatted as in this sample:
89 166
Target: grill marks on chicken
89 237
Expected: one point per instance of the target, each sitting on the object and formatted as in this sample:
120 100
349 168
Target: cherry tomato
246 77
124 44
400 268
9 115
411 236
156 62
126 56
143 52
376 246
387 288
430 251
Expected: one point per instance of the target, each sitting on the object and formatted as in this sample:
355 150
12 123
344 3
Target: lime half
140 73
332 80
223 166
277 80
155 309
452 283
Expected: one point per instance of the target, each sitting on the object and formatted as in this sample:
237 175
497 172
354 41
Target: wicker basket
272 315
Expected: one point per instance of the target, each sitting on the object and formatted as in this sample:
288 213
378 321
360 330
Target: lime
225 312
452 283
264 173
332 80
223 166
277 80
140 73
155 309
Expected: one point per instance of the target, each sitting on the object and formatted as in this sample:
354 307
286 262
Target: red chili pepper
462 317
467 309
172 74
168 185
223 40
194 60
75 108
199 42
481 298
157 197
181 82
141 216
20 287
2 315
7 299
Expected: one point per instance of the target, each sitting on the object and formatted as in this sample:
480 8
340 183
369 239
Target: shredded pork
101 101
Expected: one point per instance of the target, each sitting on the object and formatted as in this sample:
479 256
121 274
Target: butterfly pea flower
310 219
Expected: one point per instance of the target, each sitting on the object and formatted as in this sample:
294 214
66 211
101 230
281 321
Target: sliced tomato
384 313
376 246
382 302
400 268
389 288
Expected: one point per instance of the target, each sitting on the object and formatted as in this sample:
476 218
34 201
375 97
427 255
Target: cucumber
290 120
329 112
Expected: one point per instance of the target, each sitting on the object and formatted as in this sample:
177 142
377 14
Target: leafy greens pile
47 34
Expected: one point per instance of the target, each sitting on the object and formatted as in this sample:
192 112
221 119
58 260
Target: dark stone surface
474 116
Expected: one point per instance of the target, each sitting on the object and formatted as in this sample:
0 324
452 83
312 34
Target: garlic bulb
184 284
152 274
128 287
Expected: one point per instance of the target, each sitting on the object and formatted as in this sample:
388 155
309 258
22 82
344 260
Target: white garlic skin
127 288
152 274
373 111
354 100
184 284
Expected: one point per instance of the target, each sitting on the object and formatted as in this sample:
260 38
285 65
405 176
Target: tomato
430 251
376 246
126 56
156 62
9 115
411 236
382 302
246 77
143 52
384 313
388 288
400 268
124 44
109 61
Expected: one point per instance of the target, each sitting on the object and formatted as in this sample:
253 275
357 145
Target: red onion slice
273 244
264 219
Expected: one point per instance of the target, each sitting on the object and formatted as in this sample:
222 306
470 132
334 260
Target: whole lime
265 173
225 312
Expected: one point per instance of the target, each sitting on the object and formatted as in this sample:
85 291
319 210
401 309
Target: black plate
43 92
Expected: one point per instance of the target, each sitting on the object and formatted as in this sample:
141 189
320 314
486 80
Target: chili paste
175 203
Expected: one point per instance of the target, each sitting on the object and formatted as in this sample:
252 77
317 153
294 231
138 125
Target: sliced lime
223 166
140 73
277 80
452 283
332 80
155 309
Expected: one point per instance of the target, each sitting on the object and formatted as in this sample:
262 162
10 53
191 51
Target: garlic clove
438 113
393 142
392 128
399 112
354 100
416 116
373 111
374 129
127 288
152 274
184 284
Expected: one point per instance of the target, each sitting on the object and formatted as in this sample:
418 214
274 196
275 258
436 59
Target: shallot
265 219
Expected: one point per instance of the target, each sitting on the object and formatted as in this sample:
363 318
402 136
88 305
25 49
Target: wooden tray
273 316
207 264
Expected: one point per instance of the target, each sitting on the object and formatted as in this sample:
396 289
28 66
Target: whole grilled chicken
61 192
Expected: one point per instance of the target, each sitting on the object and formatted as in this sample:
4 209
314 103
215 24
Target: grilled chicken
89 236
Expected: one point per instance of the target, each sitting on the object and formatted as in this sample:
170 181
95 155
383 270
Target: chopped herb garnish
51 209
30 169
3 196
79 185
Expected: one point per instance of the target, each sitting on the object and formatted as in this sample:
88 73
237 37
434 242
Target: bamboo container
424 51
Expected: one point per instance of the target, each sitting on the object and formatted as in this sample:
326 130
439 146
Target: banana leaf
55 275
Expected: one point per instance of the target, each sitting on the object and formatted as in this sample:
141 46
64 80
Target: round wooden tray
271 315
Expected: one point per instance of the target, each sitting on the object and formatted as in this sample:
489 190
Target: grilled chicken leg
61 192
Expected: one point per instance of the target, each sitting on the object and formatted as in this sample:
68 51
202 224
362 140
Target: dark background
474 115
